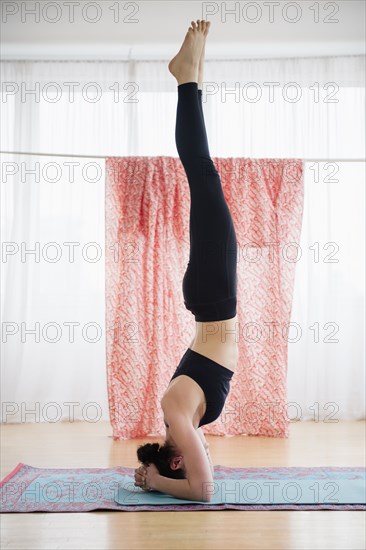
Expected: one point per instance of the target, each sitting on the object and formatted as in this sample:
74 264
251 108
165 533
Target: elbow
203 494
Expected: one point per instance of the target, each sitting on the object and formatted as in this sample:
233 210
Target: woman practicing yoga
197 391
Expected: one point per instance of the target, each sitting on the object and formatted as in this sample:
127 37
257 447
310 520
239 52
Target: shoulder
183 397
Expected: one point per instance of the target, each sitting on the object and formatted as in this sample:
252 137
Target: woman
198 389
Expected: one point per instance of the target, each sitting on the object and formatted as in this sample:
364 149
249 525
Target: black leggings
210 281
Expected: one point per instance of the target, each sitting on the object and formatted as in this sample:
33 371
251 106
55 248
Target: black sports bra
213 378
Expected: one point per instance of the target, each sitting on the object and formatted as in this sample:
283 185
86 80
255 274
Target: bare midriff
218 340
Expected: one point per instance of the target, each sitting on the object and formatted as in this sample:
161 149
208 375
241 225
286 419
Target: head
166 457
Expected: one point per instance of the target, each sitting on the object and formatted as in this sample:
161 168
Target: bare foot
185 65
202 59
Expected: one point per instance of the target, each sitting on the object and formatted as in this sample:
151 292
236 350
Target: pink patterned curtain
147 326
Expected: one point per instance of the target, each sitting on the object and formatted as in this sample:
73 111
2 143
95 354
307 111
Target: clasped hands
145 476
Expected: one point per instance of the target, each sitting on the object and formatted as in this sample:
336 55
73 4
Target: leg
211 274
200 82
201 109
209 284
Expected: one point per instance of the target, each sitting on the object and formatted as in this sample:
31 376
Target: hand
140 474
145 476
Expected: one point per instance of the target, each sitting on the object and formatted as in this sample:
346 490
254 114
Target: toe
194 25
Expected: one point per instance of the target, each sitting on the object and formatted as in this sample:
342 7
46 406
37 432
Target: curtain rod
105 156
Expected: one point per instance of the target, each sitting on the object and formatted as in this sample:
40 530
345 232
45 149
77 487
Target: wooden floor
66 445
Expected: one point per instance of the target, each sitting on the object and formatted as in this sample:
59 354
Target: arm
179 488
198 484
206 445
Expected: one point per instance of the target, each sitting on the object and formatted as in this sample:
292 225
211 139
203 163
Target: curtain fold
147 326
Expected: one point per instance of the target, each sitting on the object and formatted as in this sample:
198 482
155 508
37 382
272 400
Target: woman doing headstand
200 384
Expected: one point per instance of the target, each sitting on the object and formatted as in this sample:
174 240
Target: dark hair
160 455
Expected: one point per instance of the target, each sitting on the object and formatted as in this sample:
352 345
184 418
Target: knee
208 167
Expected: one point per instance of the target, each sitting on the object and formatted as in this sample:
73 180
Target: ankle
187 77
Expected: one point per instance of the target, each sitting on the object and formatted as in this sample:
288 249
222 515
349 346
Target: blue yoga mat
258 490
30 489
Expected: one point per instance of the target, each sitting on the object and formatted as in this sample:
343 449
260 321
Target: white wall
155 29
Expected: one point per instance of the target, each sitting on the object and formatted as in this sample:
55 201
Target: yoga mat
30 489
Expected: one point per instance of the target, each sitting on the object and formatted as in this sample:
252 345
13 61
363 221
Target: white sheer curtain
55 207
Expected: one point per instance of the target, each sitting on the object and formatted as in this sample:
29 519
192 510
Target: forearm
210 461
179 488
